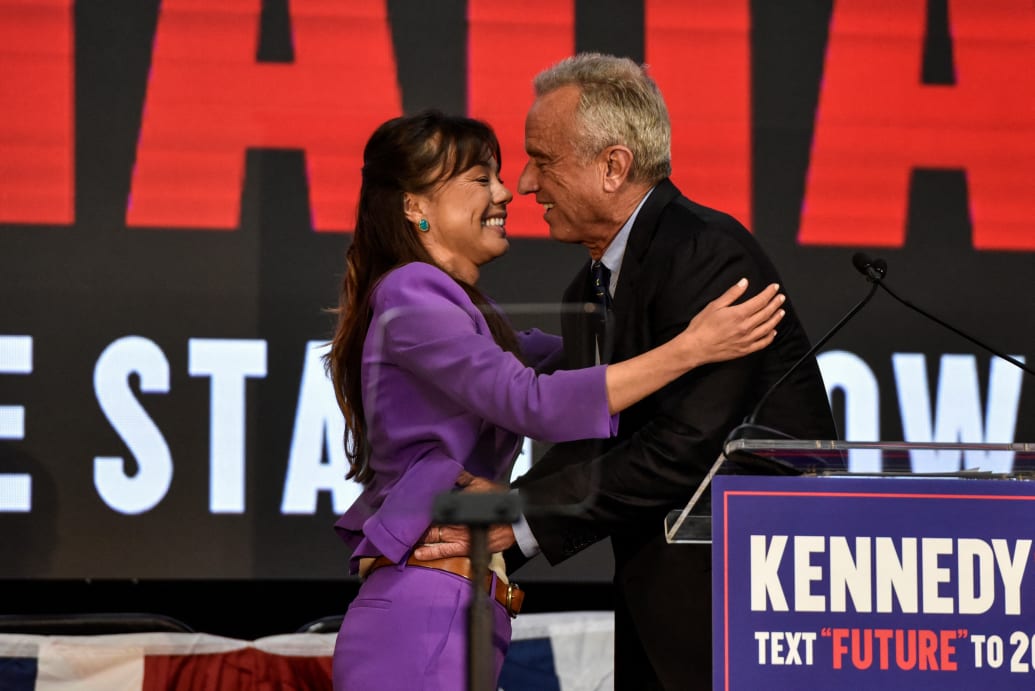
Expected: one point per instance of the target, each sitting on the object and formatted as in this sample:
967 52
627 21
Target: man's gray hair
619 104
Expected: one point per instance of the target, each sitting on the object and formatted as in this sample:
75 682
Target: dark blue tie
601 285
601 277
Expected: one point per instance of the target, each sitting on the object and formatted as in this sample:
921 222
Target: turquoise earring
424 225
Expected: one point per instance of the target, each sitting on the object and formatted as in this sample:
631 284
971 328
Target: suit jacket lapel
579 341
640 237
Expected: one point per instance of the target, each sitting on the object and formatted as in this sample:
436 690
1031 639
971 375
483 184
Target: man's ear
618 162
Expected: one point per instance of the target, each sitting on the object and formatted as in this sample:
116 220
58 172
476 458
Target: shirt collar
615 252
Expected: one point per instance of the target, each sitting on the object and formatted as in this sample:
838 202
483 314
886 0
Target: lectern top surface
824 457
819 456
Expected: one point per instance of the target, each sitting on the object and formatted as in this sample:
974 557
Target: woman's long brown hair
409 154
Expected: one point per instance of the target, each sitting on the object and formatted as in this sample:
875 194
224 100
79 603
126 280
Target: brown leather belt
507 594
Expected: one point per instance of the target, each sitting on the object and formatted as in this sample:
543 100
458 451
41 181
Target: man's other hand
441 541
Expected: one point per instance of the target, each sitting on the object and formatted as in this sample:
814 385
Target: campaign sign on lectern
873 583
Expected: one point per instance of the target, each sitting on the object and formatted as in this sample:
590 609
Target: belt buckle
511 587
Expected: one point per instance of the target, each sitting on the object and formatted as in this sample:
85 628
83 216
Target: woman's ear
412 208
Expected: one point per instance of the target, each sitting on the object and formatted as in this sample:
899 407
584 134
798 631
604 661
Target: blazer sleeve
540 350
432 329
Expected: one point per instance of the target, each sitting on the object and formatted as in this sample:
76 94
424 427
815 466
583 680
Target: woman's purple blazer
440 396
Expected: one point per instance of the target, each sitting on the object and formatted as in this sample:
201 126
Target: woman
435 385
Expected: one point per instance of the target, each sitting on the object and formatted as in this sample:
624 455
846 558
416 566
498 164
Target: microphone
874 269
871 267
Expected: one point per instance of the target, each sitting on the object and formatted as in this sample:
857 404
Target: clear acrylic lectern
693 523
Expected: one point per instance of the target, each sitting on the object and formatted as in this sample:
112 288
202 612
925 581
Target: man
598 143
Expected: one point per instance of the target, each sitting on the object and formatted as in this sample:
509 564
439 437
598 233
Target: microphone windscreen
862 263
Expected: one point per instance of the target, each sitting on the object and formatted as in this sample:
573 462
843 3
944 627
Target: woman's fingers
763 311
764 334
770 324
754 310
765 303
731 295
725 330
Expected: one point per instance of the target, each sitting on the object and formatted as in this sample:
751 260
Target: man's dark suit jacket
680 256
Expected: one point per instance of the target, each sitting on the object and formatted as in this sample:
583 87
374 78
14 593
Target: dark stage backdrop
178 181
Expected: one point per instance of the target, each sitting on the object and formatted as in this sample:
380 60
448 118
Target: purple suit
440 396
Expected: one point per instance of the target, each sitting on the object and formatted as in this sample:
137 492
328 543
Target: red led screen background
178 181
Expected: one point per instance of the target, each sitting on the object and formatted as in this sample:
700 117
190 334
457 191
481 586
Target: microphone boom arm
750 419
875 270
956 331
